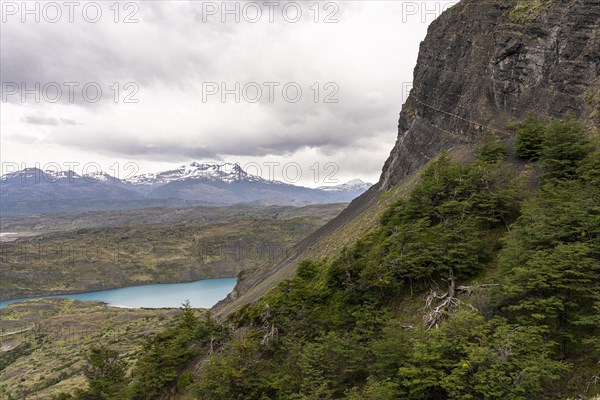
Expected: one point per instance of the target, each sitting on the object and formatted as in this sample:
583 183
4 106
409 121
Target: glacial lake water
201 294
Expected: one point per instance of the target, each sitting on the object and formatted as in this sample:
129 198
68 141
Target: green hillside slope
482 282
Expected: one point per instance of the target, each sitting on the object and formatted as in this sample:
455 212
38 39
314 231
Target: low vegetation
525 10
45 342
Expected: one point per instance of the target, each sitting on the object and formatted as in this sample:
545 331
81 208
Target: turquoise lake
201 294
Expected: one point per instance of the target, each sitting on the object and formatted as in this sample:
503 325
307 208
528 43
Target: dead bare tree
448 301
271 331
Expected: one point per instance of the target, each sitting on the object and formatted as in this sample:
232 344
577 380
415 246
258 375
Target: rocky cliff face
482 63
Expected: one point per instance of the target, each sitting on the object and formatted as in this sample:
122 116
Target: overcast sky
167 68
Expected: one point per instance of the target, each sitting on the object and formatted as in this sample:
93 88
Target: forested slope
482 283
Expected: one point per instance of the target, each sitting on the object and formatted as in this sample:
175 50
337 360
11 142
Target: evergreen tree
105 373
530 137
565 145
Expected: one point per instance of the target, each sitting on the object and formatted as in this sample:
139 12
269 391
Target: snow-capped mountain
101 176
32 190
214 172
35 175
355 185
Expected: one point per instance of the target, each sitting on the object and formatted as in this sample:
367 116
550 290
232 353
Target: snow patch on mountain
350 186
37 175
209 172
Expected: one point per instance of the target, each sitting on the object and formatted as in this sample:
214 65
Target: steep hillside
481 64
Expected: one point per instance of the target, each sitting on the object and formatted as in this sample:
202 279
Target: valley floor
43 342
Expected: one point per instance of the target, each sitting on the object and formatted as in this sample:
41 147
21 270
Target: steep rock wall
482 63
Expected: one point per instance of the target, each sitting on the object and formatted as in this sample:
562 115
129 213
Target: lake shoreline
41 294
158 287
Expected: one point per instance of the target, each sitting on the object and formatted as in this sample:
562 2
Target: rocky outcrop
481 64
484 62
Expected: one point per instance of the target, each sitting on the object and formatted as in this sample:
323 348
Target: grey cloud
40 120
171 52
330 140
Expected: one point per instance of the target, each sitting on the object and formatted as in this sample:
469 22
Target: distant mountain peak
101 176
351 185
211 166
35 174
206 171
356 181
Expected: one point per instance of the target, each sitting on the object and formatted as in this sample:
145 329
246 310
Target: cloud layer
174 57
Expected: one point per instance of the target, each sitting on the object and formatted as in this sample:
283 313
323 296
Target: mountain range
32 190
